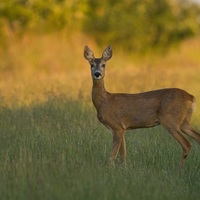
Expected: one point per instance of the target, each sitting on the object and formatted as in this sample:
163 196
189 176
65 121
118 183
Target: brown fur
172 108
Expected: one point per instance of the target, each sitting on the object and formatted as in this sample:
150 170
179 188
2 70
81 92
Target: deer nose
97 74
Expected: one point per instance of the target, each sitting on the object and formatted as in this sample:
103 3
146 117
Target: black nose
97 74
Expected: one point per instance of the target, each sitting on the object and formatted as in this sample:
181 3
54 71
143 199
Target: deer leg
122 150
185 144
117 141
187 129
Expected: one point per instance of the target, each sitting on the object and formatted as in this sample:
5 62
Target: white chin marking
97 78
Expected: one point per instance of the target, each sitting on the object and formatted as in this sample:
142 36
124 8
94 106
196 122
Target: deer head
97 64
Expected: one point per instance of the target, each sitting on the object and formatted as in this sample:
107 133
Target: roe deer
172 108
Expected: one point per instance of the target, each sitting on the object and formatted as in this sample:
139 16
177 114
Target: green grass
58 150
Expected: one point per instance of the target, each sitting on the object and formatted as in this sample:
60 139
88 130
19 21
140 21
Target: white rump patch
194 105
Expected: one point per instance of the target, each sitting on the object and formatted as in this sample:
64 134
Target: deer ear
107 54
88 54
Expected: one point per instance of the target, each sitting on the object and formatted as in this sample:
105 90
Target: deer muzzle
97 75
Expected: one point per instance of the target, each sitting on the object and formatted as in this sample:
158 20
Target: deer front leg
117 141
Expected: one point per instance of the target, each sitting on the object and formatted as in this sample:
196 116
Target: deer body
141 110
172 108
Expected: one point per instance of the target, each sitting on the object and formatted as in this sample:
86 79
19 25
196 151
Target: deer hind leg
122 150
117 142
179 136
185 144
187 129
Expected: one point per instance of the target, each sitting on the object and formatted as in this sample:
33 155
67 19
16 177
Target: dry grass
34 67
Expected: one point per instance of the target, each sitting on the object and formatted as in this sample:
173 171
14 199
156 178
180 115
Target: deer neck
99 93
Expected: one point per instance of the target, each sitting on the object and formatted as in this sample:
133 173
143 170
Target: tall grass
58 150
53 147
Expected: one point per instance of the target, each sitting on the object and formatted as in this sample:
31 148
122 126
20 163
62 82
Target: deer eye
92 65
103 65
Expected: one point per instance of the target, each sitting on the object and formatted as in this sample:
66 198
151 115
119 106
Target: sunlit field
33 67
52 145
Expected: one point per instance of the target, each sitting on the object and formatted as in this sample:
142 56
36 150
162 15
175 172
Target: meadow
58 150
51 143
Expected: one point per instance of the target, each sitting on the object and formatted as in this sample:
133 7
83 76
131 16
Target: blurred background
156 44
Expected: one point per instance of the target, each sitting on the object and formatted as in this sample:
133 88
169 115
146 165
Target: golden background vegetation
37 66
